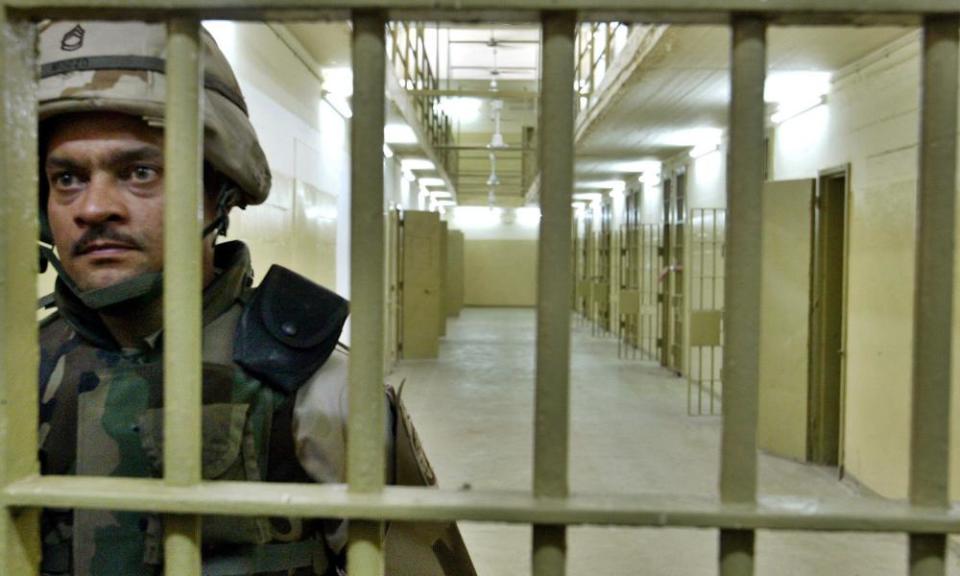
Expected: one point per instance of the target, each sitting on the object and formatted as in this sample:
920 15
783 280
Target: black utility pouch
288 329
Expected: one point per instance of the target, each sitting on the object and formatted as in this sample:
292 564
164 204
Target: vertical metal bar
738 465
365 445
183 284
933 295
19 530
551 441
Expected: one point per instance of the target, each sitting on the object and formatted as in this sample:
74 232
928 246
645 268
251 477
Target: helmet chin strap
146 286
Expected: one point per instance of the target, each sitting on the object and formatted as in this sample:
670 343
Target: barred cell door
706 264
650 309
630 261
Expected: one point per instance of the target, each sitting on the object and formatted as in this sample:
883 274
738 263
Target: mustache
103 233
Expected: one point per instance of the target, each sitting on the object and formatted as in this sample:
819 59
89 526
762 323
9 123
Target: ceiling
677 86
682 86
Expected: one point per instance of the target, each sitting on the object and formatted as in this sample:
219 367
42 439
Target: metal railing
549 507
411 63
597 47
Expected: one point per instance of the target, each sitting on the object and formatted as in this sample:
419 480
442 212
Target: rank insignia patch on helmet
73 39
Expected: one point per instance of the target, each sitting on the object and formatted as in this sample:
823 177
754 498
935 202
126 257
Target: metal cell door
784 324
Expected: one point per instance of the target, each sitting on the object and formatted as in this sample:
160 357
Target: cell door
663 277
649 287
605 255
630 257
678 247
705 353
784 324
421 271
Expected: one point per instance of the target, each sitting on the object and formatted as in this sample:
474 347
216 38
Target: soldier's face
105 205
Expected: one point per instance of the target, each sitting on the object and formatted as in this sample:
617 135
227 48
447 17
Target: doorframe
822 176
666 247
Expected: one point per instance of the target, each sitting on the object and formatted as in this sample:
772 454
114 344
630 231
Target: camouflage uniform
101 415
274 379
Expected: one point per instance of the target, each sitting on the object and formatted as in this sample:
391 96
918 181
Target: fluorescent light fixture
701 150
462 109
399 134
441 194
634 167
592 184
338 81
651 178
791 86
417 164
387 152
588 196
433 181
691 137
789 110
796 92
339 103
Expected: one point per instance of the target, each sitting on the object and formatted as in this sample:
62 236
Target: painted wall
500 254
500 273
871 122
306 143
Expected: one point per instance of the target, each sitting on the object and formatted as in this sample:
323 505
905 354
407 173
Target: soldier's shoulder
53 327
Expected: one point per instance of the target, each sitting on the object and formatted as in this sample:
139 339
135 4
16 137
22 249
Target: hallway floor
630 433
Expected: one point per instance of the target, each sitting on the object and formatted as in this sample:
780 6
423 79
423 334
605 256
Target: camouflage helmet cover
119 67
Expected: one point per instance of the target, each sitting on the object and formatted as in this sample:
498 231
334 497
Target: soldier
274 377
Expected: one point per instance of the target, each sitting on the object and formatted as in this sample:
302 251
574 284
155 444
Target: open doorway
828 267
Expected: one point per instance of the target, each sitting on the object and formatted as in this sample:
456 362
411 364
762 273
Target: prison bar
418 504
555 282
365 438
737 514
741 315
182 285
19 411
934 286
781 12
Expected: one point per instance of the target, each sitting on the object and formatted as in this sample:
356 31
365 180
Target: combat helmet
119 67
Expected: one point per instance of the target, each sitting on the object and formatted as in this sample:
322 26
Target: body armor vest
101 415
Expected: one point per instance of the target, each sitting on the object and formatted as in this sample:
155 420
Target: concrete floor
630 433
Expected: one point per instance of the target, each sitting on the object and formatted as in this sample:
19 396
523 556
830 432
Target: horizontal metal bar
427 504
487 94
687 11
485 148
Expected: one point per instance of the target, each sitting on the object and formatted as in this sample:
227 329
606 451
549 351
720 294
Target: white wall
307 145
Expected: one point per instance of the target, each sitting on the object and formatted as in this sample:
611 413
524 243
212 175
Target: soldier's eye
144 174
66 180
